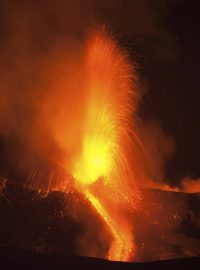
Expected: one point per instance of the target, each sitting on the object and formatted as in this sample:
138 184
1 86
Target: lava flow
122 245
102 167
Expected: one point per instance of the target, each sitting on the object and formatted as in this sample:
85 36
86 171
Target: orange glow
187 185
190 185
102 168
92 118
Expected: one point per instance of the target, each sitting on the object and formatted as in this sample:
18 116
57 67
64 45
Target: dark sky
163 37
173 96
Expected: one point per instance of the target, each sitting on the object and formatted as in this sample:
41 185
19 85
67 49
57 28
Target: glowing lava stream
122 242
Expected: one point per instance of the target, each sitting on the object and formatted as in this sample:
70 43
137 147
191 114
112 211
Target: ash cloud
159 148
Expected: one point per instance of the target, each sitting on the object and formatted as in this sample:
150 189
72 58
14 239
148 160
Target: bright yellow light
95 161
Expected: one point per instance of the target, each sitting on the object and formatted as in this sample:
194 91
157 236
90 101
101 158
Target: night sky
162 36
173 95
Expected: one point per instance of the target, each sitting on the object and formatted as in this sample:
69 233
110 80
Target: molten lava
103 168
122 245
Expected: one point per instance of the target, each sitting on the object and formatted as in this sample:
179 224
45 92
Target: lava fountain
104 167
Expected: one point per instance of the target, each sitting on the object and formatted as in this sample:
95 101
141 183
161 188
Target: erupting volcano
103 167
99 135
